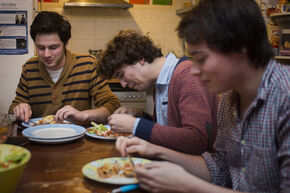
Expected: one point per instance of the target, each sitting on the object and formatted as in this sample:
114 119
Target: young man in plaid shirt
227 40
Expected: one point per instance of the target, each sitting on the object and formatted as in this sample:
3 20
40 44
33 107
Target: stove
133 99
127 96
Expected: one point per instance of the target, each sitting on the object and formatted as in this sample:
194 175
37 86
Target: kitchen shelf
285 31
283 21
280 14
282 57
184 10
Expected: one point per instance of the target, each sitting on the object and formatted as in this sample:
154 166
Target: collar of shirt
262 94
262 91
54 74
167 70
161 89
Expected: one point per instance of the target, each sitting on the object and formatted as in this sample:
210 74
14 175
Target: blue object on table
126 188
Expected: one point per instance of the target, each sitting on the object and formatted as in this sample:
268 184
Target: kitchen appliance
127 96
98 3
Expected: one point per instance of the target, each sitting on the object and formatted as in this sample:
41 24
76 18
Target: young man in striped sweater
58 81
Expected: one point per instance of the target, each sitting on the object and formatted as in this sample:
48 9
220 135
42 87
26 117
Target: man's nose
47 53
195 70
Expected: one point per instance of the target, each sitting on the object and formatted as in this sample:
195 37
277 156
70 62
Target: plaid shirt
253 153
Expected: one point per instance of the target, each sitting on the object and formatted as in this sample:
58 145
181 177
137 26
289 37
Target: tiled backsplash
93 27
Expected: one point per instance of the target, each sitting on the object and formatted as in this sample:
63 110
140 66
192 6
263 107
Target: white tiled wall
93 27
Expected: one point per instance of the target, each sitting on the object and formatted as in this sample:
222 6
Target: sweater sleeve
191 115
102 94
21 91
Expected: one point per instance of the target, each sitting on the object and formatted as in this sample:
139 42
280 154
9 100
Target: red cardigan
192 124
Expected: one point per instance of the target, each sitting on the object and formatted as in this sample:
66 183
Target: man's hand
127 110
136 145
69 113
23 112
121 123
163 177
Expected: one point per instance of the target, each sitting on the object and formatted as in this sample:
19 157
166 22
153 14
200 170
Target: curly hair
126 48
228 26
47 22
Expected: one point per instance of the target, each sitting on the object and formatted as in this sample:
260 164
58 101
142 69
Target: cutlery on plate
130 159
126 188
32 122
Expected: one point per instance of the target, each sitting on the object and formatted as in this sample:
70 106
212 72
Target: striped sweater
78 86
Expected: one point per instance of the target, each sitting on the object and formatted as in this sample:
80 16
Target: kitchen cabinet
183 10
283 21
187 7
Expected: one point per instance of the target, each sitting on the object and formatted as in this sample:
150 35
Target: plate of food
53 131
101 131
55 141
116 170
49 119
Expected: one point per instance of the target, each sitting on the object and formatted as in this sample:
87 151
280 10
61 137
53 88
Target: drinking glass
6 122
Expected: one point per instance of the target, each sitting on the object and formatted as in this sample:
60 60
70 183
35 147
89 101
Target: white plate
90 170
32 121
53 131
55 141
98 136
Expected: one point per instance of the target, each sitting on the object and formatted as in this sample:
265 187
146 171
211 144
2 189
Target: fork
130 159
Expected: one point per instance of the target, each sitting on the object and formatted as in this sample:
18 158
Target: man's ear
66 44
244 50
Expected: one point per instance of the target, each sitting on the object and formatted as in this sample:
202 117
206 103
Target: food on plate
49 119
116 169
11 159
102 130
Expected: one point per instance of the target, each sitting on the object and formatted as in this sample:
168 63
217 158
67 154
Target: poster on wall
13 4
13 27
144 2
162 2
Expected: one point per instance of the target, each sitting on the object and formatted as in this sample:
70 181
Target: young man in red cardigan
185 112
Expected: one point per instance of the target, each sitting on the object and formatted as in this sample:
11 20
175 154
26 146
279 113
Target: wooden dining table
58 168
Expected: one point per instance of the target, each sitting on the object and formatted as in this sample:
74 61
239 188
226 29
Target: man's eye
201 60
53 47
117 75
120 75
41 48
198 60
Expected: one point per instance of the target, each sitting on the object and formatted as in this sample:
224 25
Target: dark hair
126 48
47 22
228 26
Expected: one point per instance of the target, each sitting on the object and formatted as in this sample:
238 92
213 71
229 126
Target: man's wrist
135 126
159 152
85 117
